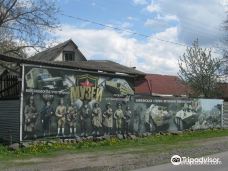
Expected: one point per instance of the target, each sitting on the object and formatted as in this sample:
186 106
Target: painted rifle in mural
61 102
72 117
108 119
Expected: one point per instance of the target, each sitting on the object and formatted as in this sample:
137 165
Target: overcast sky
180 21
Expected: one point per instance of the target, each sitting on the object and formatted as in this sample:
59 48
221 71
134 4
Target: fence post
222 114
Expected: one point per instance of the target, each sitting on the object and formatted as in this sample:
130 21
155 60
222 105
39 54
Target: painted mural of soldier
46 114
119 116
85 120
31 116
60 114
72 117
127 120
137 117
96 119
108 119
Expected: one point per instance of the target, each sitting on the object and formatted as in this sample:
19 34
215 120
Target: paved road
169 167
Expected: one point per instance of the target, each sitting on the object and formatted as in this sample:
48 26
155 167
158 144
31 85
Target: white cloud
151 55
160 22
200 19
140 2
153 7
130 18
156 24
168 17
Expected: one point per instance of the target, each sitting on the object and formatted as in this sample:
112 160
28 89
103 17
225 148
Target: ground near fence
122 155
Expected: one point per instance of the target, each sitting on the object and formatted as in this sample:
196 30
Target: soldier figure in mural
85 120
119 116
139 109
108 119
31 116
96 119
127 119
60 113
72 116
46 114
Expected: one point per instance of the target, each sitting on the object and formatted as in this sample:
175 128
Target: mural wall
69 103
178 114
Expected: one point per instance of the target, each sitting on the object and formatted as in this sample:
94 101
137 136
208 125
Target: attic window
68 56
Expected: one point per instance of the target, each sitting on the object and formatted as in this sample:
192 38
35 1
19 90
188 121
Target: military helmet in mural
119 105
108 104
31 99
96 104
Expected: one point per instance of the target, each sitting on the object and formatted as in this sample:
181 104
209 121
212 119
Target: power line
121 29
196 28
127 31
191 20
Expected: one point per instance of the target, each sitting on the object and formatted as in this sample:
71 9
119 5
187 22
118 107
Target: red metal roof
161 85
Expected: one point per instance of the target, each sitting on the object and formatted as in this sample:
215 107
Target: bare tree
224 66
199 70
26 23
13 49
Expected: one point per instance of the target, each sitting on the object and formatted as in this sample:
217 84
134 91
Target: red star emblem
87 83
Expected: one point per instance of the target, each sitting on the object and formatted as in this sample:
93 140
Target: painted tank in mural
157 118
186 117
119 86
42 79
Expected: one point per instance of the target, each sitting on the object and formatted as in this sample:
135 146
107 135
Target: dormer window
68 56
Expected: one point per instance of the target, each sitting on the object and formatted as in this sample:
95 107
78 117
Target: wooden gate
9 86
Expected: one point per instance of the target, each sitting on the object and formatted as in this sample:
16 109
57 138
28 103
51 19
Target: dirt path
121 160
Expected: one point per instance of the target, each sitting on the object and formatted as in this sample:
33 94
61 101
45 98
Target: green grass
155 143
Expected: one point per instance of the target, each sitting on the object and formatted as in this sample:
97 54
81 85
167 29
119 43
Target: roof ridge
51 53
151 74
53 47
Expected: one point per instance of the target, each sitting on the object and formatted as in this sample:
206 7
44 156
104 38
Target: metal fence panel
10 120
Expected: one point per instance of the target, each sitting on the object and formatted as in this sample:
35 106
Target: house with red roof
170 86
162 85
